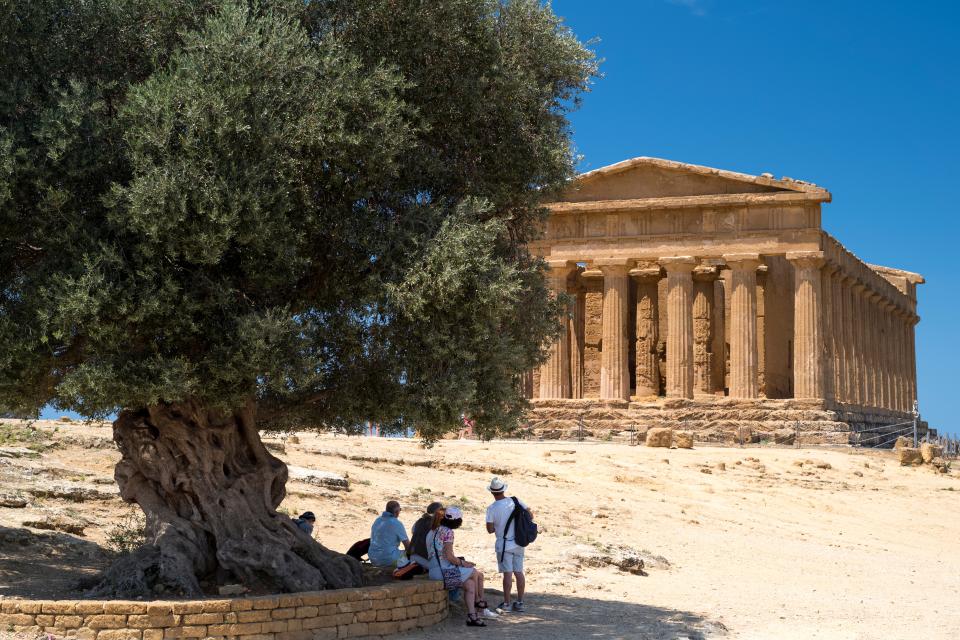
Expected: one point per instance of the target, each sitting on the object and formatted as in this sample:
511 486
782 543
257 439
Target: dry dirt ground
737 543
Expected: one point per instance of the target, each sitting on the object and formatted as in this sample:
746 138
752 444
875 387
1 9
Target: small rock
17 452
943 466
682 440
660 437
706 470
909 456
319 478
293 440
823 465
12 502
232 590
859 474
56 524
903 442
785 436
722 466
929 451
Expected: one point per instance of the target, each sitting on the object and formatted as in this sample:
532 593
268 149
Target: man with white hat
509 553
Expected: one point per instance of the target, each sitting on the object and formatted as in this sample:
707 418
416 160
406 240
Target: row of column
870 358
850 345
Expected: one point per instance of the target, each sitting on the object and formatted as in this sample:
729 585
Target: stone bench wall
369 612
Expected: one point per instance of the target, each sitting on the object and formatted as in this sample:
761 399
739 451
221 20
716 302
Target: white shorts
512 561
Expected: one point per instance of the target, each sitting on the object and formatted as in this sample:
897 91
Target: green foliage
128 534
320 205
17 434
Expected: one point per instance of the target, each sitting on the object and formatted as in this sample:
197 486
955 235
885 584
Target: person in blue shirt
305 522
386 536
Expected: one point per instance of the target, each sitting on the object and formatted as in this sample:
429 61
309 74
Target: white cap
497 485
452 513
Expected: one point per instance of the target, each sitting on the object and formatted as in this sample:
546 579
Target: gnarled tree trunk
210 489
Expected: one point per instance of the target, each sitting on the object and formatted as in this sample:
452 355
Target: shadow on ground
46 565
555 617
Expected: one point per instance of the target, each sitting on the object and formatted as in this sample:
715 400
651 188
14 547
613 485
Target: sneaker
518 606
503 607
491 615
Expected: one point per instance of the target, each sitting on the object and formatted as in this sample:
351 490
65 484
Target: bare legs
470 593
508 585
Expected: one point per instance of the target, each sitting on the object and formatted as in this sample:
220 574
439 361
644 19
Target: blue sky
861 98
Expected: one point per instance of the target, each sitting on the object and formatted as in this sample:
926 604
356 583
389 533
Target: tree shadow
558 617
47 565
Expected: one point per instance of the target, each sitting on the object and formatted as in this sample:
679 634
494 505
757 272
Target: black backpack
524 528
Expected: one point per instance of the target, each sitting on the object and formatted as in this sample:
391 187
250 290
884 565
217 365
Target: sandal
473 620
481 604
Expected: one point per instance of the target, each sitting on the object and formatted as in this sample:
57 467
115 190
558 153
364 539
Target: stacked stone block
346 613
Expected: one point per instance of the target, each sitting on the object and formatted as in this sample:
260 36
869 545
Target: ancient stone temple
715 301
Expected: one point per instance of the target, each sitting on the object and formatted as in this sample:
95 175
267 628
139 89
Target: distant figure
305 522
509 553
466 432
386 536
418 539
443 561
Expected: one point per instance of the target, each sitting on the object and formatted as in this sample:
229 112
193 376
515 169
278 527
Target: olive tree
223 216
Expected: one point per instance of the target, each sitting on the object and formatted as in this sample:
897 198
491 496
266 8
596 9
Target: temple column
575 334
719 336
703 329
614 369
850 339
526 384
912 359
904 362
839 353
743 324
555 372
829 348
897 357
647 359
679 325
894 316
860 308
872 343
889 344
807 328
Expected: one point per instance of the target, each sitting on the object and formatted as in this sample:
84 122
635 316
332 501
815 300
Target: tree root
210 489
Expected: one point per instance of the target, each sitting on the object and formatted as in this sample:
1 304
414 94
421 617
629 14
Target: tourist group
430 549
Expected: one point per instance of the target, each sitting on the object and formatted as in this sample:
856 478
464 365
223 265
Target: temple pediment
647 178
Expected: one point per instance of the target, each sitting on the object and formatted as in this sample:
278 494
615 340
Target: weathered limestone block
910 456
660 437
929 451
903 442
784 436
682 440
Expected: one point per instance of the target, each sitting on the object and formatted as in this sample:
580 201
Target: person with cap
386 536
442 558
305 522
509 553
418 539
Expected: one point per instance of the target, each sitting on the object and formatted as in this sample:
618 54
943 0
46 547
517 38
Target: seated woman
442 558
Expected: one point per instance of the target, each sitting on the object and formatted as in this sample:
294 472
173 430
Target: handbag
451 575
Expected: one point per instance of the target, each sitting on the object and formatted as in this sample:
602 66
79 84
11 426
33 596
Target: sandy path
765 543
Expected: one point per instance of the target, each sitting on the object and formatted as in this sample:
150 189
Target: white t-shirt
497 515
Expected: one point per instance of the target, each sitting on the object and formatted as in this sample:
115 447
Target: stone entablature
690 281
370 612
